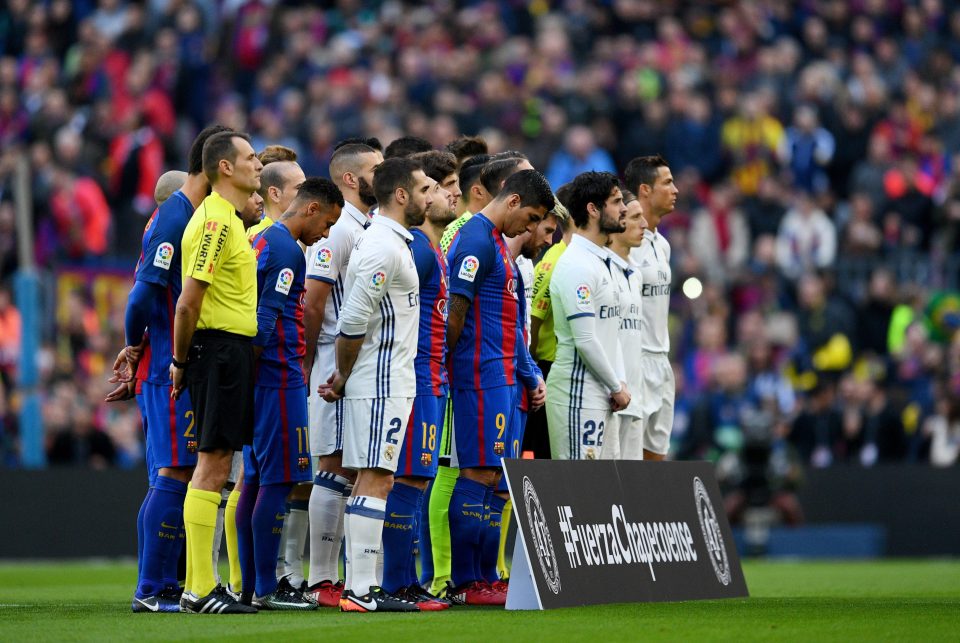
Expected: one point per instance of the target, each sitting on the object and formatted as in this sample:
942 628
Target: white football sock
364 520
326 517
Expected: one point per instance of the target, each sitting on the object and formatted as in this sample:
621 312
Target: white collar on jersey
379 219
354 211
618 260
579 240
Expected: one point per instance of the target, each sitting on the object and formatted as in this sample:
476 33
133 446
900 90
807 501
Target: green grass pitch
795 601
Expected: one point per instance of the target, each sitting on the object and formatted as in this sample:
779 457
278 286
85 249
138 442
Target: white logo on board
712 536
542 544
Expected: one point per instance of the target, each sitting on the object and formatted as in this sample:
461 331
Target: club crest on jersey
426 459
388 453
284 281
324 259
164 256
583 296
303 463
469 267
499 448
378 279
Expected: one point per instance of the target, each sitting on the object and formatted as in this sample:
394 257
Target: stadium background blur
814 143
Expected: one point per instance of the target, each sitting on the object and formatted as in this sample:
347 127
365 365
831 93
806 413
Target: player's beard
440 215
529 250
365 192
413 215
609 225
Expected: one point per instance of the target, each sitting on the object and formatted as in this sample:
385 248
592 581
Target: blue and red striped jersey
430 362
281 274
482 270
159 265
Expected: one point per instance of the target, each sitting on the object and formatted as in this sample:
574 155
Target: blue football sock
466 517
398 537
484 521
423 527
245 508
143 508
268 517
491 540
162 518
267 530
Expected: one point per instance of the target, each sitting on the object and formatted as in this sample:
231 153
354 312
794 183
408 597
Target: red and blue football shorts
170 428
483 423
281 437
420 453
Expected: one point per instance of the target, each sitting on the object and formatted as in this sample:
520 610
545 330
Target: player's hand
124 391
332 390
621 399
538 396
178 383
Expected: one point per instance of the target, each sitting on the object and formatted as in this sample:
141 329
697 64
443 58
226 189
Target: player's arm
374 271
184 325
470 262
322 271
273 296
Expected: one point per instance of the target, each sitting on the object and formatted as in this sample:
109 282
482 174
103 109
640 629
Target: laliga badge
498 448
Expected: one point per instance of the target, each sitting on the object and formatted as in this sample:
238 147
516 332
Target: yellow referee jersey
215 250
541 308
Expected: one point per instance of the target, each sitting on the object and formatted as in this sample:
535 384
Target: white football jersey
525 267
653 259
327 260
628 280
382 305
582 285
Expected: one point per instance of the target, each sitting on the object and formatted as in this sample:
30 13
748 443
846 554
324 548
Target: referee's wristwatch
176 364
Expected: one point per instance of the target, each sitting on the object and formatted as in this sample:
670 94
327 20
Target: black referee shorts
220 373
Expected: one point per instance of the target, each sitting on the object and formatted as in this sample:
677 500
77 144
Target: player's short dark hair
496 172
509 154
346 158
218 147
405 146
532 187
195 157
276 154
315 188
464 147
436 164
372 141
628 196
586 188
470 172
393 173
643 170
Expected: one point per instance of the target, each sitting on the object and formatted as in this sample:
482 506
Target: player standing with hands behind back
651 180
216 320
376 346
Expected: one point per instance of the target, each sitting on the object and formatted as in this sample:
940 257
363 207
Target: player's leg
425 546
151 475
481 423
281 445
226 530
331 486
658 426
295 535
417 463
372 441
503 570
220 378
559 421
631 438
438 507
173 453
244 582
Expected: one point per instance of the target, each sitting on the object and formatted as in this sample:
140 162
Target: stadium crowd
813 144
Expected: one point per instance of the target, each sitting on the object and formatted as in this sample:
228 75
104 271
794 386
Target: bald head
167 184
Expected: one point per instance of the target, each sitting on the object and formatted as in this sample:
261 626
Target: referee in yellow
215 322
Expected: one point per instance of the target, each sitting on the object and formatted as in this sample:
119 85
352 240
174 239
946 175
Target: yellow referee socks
230 534
200 520
502 568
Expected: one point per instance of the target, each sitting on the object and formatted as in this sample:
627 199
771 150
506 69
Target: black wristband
176 364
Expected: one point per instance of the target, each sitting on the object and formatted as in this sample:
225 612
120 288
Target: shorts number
501 422
395 425
429 437
303 439
591 427
193 420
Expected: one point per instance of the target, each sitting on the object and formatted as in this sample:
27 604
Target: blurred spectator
580 154
719 237
806 151
751 141
807 238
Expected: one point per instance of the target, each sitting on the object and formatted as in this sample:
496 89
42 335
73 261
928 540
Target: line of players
414 325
